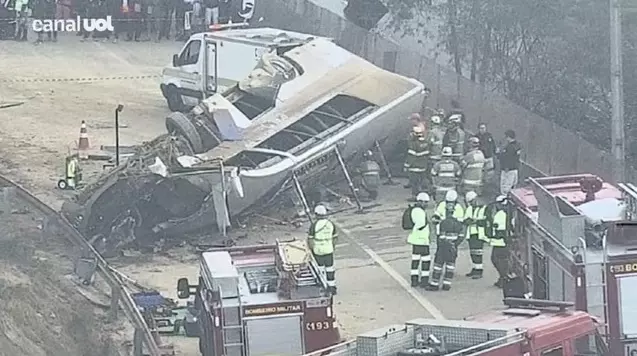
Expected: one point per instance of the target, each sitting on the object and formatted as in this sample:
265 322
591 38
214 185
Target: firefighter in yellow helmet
417 162
322 240
445 174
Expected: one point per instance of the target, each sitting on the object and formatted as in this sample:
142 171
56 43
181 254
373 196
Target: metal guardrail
119 294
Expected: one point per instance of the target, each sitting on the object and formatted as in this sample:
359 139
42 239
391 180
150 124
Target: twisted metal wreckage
291 116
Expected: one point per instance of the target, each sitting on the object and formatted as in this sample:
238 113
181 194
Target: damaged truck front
288 115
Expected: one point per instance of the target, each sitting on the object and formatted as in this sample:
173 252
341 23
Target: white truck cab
212 62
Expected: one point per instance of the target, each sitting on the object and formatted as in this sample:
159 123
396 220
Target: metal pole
301 194
116 137
348 178
617 94
224 229
383 160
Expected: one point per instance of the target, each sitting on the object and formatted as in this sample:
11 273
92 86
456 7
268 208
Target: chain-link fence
548 148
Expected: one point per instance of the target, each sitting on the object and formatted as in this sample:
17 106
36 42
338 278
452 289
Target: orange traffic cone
83 145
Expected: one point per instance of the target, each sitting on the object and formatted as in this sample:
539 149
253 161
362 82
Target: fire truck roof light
522 302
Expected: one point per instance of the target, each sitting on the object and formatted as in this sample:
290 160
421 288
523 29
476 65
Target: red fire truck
574 238
261 300
527 328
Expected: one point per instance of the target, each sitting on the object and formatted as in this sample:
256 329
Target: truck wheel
62 184
175 103
178 124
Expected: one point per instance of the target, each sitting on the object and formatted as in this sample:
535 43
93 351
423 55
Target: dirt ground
42 312
36 136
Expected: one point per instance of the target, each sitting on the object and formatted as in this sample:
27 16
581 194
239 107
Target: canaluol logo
76 25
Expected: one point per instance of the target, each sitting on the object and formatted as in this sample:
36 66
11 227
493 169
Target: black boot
446 287
424 282
472 273
431 288
498 283
414 281
477 274
333 290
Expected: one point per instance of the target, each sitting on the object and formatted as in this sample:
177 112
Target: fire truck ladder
233 337
596 291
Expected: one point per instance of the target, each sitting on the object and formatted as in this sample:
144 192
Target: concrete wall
548 148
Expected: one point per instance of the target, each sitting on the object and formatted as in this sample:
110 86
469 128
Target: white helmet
436 119
451 196
455 118
423 197
447 151
470 196
501 199
320 210
418 129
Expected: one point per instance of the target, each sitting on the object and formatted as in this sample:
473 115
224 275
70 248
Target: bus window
556 351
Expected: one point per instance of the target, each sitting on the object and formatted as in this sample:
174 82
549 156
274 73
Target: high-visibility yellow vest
499 233
70 168
419 234
323 237
458 211
477 213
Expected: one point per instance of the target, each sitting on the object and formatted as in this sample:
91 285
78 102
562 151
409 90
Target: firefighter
499 253
419 240
473 167
475 221
417 162
449 204
455 136
449 217
322 240
435 136
72 171
370 175
488 148
445 174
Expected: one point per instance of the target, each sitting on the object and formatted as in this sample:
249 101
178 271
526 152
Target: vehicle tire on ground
178 124
174 100
62 184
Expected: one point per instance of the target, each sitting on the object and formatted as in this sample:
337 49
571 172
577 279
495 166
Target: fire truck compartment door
627 286
279 336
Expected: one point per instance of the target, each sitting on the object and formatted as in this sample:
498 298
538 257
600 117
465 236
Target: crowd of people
132 20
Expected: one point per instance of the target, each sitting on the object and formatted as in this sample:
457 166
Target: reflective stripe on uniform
472 181
414 169
445 174
416 153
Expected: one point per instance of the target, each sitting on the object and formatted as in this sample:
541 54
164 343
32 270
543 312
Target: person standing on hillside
509 163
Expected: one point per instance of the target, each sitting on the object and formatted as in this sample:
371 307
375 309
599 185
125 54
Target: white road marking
424 302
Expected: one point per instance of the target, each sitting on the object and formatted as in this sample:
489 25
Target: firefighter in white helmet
448 217
455 136
498 225
435 135
445 174
415 220
417 161
322 239
475 220
473 167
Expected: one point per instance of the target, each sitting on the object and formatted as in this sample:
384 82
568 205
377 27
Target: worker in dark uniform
417 162
449 237
419 240
499 252
370 175
488 148
322 240
475 221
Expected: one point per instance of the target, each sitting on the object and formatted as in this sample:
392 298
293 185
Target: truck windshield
590 345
